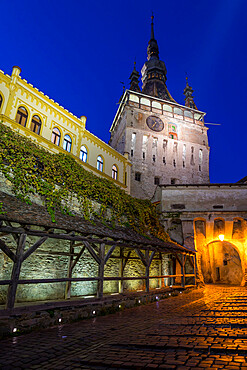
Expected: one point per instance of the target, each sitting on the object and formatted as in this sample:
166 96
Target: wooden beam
126 259
13 235
91 251
117 242
34 247
183 271
151 258
141 255
178 259
109 253
7 251
69 273
147 259
62 280
121 271
16 272
78 257
100 288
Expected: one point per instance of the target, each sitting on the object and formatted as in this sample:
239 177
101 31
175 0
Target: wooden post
194 267
16 272
161 281
121 270
183 271
69 274
100 289
147 271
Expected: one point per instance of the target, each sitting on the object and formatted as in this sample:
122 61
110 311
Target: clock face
155 123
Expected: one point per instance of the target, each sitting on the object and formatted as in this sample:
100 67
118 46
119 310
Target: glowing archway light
221 237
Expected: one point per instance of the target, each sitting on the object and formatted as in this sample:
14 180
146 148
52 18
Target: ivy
59 177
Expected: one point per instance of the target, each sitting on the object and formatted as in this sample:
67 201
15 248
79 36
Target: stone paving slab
183 332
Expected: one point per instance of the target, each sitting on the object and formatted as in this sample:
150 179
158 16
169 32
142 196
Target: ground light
221 237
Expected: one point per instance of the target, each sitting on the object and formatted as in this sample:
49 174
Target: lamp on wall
221 237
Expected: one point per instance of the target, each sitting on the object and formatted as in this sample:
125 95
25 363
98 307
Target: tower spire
134 79
153 49
154 71
152 26
189 99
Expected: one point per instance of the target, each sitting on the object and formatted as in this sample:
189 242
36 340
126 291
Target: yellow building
27 110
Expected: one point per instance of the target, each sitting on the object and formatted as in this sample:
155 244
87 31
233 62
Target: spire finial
152 26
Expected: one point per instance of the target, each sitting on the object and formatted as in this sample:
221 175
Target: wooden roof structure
34 220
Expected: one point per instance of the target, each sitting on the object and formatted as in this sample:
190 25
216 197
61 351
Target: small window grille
137 176
156 181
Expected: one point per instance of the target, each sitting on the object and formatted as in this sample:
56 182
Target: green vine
58 177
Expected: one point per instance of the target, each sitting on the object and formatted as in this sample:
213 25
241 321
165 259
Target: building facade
210 218
166 142
31 113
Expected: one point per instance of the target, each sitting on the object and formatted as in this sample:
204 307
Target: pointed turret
153 49
134 80
189 99
154 71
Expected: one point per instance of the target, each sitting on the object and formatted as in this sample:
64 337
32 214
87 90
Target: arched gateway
221 264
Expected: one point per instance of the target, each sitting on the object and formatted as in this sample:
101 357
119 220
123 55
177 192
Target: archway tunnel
221 264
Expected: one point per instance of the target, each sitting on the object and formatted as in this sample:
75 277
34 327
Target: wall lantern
221 237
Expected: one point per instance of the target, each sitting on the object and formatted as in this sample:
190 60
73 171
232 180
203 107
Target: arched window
21 116
36 124
55 138
67 143
114 172
219 227
83 154
100 163
1 100
237 230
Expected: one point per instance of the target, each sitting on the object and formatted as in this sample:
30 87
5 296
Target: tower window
55 138
173 181
156 181
67 142
36 124
174 163
100 163
21 116
155 142
154 158
200 167
143 155
1 100
183 163
131 153
137 176
83 154
164 144
164 160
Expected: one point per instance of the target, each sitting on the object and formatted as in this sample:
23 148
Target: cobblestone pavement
206 328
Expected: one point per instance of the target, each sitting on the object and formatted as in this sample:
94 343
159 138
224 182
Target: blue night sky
77 52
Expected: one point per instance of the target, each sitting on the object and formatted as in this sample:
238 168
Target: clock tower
166 142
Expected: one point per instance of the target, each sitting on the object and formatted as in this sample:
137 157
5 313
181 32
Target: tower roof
134 79
154 71
189 99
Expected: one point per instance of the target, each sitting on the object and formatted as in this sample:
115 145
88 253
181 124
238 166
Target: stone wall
51 261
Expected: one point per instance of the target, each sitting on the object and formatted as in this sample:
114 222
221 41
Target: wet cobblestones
203 329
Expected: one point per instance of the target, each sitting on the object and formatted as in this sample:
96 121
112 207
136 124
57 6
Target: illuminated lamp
221 237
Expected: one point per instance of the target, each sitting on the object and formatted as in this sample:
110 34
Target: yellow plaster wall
18 92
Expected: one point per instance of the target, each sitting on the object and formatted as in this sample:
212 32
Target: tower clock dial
155 123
